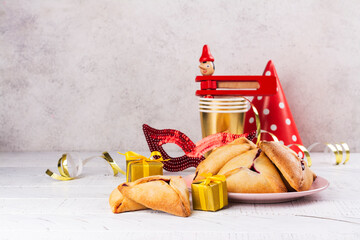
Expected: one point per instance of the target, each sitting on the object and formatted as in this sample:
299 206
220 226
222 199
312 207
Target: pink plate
319 185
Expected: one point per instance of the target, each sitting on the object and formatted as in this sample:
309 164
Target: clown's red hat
206 55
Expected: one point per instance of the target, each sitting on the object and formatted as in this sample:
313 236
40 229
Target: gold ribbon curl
305 151
257 120
271 134
134 157
337 150
64 171
116 169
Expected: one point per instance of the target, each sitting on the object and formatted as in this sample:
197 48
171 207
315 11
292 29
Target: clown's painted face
207 68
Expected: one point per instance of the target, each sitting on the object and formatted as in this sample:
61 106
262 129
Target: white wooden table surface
33 205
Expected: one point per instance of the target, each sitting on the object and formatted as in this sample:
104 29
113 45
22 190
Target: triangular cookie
252 172
119 203
220 156
294 170
165 193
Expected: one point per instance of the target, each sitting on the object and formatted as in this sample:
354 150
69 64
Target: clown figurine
207 66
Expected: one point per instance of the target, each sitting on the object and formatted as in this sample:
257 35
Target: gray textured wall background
85 75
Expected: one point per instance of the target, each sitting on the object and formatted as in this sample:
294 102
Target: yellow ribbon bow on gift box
134 157
209 178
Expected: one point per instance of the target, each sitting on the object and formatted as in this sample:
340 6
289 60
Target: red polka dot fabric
275 115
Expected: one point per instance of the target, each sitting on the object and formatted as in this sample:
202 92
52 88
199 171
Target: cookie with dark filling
252 172
295 171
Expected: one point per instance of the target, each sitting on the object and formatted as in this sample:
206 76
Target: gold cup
220 115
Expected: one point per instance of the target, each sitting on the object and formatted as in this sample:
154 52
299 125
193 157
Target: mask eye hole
173 150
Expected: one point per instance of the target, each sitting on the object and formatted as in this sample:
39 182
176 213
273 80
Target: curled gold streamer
271 134
347 152
337 150
305 151
57 177
116 169
257 120
340 153
64 174
258 125
334 149
64 171
63 166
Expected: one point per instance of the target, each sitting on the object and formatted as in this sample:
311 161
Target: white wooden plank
101 206
148 221
35 176
39 206
176 235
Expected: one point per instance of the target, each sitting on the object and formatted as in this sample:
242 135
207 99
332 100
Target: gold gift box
136 169
214 196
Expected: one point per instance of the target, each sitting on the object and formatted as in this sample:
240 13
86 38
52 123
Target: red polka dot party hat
275 115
